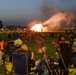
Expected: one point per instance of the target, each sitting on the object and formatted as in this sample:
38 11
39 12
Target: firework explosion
59 20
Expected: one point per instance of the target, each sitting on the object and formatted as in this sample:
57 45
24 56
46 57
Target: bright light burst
37 27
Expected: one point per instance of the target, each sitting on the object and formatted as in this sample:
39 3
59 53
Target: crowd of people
17 45
66 50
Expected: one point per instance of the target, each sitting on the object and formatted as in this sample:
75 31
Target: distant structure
1 24
74 22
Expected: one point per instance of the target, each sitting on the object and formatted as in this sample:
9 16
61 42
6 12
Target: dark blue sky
18 11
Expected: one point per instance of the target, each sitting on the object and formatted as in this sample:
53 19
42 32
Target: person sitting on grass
2 51
30 56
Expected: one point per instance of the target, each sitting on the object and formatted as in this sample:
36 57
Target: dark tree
1 24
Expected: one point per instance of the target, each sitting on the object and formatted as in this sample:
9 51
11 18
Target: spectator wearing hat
17 42
14 47
20 47
17 45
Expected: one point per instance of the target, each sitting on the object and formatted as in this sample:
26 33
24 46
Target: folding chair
20 64
73 60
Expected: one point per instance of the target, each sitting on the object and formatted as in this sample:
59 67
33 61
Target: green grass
2 70
50 48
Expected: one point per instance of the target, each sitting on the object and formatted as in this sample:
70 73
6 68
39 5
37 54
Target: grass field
50 48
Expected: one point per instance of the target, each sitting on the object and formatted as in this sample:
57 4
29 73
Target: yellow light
37 27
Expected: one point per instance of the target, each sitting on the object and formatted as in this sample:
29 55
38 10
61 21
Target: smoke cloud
60 20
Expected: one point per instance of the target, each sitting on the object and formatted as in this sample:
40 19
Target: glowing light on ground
60 20
37 27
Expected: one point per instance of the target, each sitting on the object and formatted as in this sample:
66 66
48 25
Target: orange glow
60 20
37 27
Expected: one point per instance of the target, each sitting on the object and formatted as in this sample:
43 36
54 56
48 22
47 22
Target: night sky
18 12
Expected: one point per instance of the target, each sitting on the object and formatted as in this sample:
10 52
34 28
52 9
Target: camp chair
73 60
20 64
